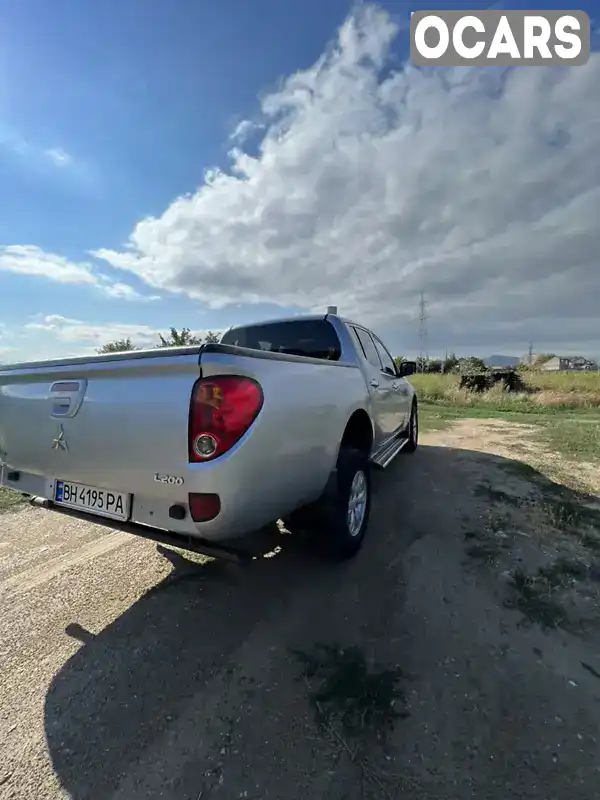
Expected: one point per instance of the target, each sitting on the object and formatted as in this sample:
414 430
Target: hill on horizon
501 361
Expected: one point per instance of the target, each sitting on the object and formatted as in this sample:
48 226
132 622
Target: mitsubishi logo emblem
60 443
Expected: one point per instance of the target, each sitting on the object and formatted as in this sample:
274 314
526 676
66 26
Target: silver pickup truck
196 446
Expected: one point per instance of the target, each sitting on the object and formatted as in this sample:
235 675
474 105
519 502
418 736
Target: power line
423 343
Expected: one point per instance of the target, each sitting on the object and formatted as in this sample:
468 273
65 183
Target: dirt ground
458 656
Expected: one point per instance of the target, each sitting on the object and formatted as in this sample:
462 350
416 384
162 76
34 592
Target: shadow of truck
208 627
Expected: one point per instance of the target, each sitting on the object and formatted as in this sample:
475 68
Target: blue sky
111 111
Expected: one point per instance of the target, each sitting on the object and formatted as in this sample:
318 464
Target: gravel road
131 671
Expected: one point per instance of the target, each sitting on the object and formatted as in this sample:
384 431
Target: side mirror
407 368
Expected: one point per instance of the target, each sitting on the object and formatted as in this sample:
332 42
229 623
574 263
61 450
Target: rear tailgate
109 421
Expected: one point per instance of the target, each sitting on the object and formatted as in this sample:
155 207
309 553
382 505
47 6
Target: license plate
104 503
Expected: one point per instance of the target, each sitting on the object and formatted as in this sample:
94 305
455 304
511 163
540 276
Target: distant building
556 364
574 364
584 364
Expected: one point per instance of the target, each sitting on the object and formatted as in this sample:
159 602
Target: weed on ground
486 552
546 596
496 495
533 598
345 691
10 500
355 706
539 520
569 516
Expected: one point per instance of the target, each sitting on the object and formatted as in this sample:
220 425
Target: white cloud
31 260
122 291
480 187
31 152
243 130
87 336
57 336
59 157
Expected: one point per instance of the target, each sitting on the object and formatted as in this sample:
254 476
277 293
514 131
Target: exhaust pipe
39 502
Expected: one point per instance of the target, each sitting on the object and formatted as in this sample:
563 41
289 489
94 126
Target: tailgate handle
67 397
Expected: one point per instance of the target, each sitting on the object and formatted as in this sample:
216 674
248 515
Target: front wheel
343 512
413 430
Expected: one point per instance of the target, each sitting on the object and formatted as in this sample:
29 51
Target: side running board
386 456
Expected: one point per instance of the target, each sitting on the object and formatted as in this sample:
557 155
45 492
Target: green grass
433 418
437 416
10 499
546 393
577 438
574 436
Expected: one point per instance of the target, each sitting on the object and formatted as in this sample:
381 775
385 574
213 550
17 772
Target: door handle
374 383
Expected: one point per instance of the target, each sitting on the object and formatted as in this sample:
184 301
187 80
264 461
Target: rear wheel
342 514
413 430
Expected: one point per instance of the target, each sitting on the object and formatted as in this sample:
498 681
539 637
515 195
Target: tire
413 430
339 531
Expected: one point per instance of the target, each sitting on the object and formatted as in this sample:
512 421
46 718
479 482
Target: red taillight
204 507
221 411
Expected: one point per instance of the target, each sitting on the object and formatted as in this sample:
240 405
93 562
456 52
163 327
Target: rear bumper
261 479
181 540
241 513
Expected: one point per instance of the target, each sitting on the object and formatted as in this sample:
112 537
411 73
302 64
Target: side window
386 359
368 347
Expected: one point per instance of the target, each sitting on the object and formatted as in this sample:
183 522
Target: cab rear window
313 338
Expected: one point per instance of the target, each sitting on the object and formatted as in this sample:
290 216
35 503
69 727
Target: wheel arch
359 432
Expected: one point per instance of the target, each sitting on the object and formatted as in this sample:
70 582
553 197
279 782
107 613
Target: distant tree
450 363
118 346
471 364
434 365
211 338
175 338
425 364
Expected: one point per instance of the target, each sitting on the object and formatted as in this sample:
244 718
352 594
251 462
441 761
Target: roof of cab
295 318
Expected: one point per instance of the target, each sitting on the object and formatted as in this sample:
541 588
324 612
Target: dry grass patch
10 499
546 392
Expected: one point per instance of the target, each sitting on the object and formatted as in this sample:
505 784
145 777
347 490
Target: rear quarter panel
286 457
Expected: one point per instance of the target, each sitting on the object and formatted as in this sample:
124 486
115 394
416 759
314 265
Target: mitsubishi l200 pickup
197 445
